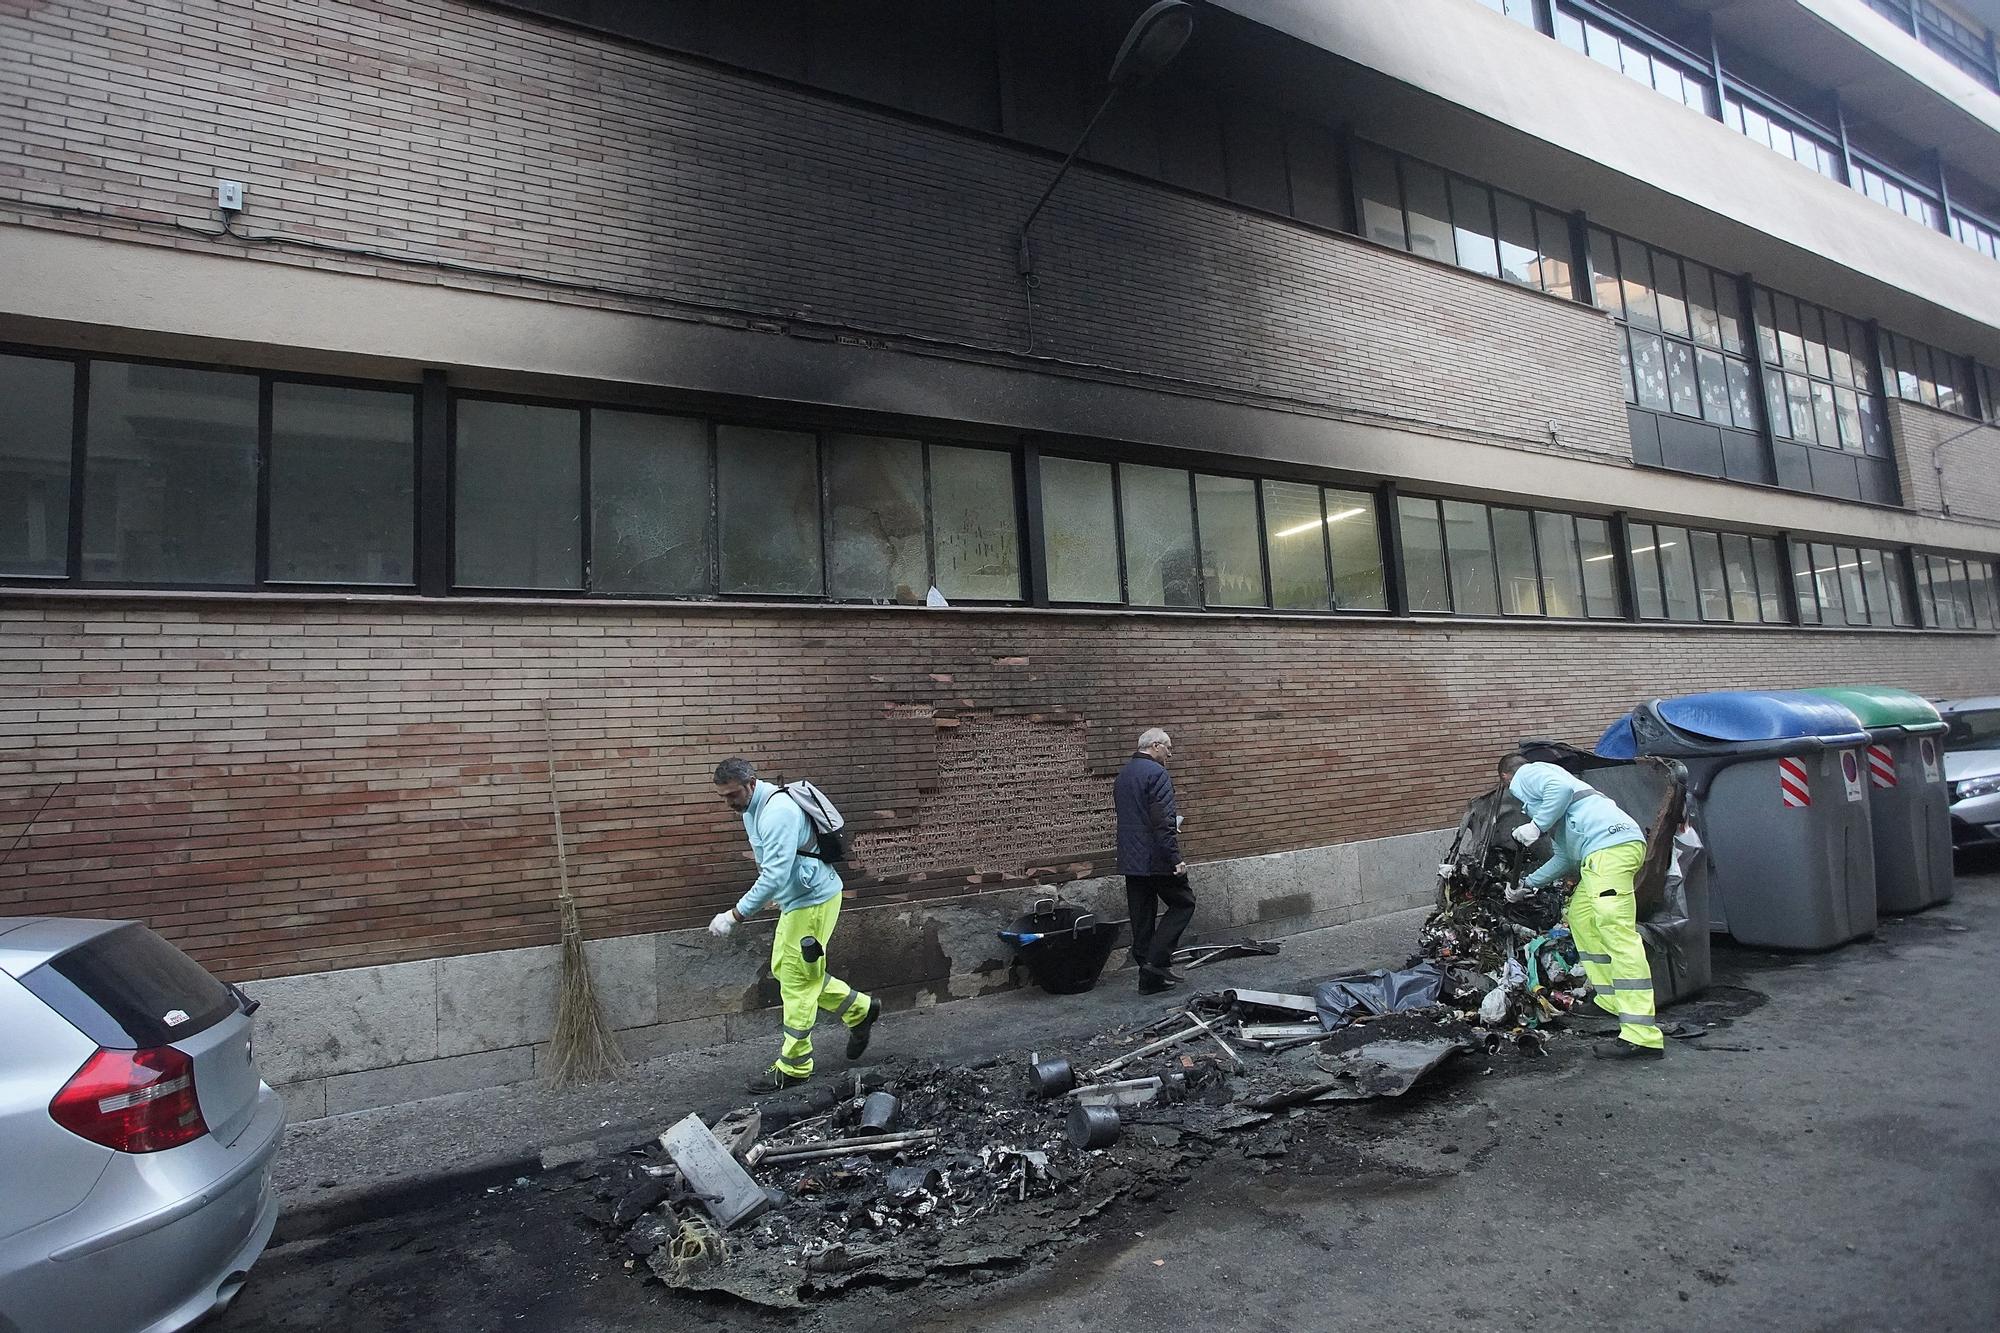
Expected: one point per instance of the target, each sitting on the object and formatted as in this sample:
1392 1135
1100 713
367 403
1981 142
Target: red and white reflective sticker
1794 786
1881 767
1850 773
1928 746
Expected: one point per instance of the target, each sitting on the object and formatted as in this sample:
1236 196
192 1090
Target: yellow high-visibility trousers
806 987
1603 916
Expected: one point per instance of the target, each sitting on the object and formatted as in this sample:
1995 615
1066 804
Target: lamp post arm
1061 171
1937 459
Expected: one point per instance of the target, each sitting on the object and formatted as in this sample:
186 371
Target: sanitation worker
807 893
1592 835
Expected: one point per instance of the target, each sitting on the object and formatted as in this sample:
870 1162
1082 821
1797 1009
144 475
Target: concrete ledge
337 1042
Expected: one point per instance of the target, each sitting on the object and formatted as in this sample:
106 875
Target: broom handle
562 854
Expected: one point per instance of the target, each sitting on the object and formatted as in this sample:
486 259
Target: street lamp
1151 44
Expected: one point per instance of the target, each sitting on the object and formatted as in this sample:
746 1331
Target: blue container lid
1618 742
1746 716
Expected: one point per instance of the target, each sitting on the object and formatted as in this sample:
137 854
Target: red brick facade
286 787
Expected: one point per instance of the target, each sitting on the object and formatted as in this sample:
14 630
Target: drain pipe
1937 461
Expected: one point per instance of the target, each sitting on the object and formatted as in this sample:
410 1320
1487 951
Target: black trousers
1144 896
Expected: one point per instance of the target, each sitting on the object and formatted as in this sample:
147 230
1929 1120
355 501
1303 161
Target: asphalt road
1829 1160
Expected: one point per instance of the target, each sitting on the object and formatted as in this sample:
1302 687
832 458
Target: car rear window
1973 731
129 990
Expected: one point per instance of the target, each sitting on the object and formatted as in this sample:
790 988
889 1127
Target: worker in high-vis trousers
807 893
1604 847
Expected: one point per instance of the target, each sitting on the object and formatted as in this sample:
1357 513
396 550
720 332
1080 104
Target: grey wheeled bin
1777 778
1909 801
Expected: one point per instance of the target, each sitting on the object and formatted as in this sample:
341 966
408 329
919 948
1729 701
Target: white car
136 1137
1972 769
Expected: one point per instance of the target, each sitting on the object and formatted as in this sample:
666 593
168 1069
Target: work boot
1625 1050
773 1079
859 1034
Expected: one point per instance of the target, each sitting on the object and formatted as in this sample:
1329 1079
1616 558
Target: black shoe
859 1034
1625 1050
1153 980
773 1079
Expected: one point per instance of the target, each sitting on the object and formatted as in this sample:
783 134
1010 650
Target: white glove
1527 835
1520 893
724 923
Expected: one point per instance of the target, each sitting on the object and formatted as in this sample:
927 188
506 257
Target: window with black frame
1893 190
1642 57
1920 373
1958 592
35 465
1414 206
1821 383
1977 233
1693 574
668 505
1838 584
1684 341
1467 558
1139 534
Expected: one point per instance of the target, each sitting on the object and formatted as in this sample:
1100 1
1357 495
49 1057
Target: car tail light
134 1101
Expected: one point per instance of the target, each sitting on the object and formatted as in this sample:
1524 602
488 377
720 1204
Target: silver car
136 1137
1972 768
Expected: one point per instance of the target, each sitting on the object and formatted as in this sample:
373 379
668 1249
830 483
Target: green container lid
1884 708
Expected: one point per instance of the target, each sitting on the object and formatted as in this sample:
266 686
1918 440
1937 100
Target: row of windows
1924 374
1981 236
1142 535
1414 206
1820 382
1683 337
1849 585
1957 594
1689 78
1694 574
1468 558
214 478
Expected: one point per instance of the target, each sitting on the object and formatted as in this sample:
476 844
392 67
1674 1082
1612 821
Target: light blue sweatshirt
1579 819
778 829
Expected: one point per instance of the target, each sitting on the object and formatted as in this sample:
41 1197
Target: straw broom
582 1048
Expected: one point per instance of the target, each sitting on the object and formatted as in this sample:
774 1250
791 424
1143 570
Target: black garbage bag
1342 999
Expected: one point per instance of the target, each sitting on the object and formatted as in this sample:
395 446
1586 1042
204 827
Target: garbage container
1064 948
1909 801
1777 779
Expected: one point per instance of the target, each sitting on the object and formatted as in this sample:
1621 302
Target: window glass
171 485
1961 595
1514 544
1770 593
767 511
1649 370
1805 584
1558 255
1711 583
1295 533
1428 212
1875 579
1826 423
1677 572
1161 568
1562 569
1469 544
1472 226
1080 531
649 496
1985 611
1635 269
1518 255
875 519
1707 322
974 530
1826 581
1742 397
518 520
1423 553
1715 405
1600 568
1683 390
1740 570
1848 562
1812 324
35 437
1729 313
1381 200
1232 563
1645 550
1357 551
343 485
1672 296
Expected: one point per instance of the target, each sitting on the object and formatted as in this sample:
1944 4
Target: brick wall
1971 461
290 787
443 131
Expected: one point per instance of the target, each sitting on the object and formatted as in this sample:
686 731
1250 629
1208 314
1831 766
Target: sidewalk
343 1168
